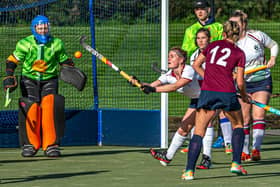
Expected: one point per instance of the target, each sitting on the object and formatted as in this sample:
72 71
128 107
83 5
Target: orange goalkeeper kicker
106 61
256 69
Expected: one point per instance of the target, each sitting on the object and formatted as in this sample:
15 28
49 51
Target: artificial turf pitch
131 166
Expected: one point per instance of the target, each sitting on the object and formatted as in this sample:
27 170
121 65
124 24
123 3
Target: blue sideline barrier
114 127
130 127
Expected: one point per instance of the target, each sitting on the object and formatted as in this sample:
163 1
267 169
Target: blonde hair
180 52
242 15
231 29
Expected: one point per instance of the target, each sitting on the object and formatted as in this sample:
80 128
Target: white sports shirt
192 59
192 89
253 45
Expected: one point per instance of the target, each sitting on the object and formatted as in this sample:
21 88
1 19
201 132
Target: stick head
155 68
7 98
82 39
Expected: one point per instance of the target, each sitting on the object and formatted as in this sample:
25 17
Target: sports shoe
219 143
188 175
238 169
185 150
205 162
53 151
228 149
161 156
245 157
28 151
256 155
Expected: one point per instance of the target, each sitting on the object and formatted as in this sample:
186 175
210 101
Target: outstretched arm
165 88
173 87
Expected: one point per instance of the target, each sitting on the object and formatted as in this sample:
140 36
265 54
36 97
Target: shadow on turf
48 176
262 162
249 176
219 165
272 142
271 149
97 152
20 161
246 164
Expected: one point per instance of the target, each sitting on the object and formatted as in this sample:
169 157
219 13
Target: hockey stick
155 68
7 98
106 61
275 95
265 107
256 69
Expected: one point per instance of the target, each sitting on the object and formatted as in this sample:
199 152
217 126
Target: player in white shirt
258 84
183 79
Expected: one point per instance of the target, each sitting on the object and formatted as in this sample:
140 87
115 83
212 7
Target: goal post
164 56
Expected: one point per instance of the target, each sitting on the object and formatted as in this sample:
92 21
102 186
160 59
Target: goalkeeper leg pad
73 76
29 123
53 120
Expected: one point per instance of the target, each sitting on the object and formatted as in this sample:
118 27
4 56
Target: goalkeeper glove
10 82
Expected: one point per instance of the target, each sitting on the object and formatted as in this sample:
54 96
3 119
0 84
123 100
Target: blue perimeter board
93 127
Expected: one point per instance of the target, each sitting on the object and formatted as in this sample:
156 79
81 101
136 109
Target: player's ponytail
243 17
232 30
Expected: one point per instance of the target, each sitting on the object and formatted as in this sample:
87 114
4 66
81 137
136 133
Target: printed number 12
222 60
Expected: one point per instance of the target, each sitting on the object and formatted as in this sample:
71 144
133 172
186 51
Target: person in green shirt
41 108
202 11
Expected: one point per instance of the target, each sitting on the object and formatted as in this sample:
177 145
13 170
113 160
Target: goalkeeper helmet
41 38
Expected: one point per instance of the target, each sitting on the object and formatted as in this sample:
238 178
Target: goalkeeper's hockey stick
106 61
7 98
256 69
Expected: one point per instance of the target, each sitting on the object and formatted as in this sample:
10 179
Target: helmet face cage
38 20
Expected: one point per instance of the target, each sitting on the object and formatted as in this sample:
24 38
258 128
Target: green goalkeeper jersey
40 61
216 30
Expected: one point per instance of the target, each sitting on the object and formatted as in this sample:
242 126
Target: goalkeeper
41 108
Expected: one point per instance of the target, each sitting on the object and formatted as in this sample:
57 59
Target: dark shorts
211 100
263 85
36 90
193 103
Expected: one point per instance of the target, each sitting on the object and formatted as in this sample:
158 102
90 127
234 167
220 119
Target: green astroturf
130 167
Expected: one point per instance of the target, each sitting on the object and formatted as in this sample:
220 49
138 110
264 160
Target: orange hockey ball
78 54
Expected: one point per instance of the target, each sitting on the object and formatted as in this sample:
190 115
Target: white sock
226 129
207 141
246 139
246 144
176 143
258 135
